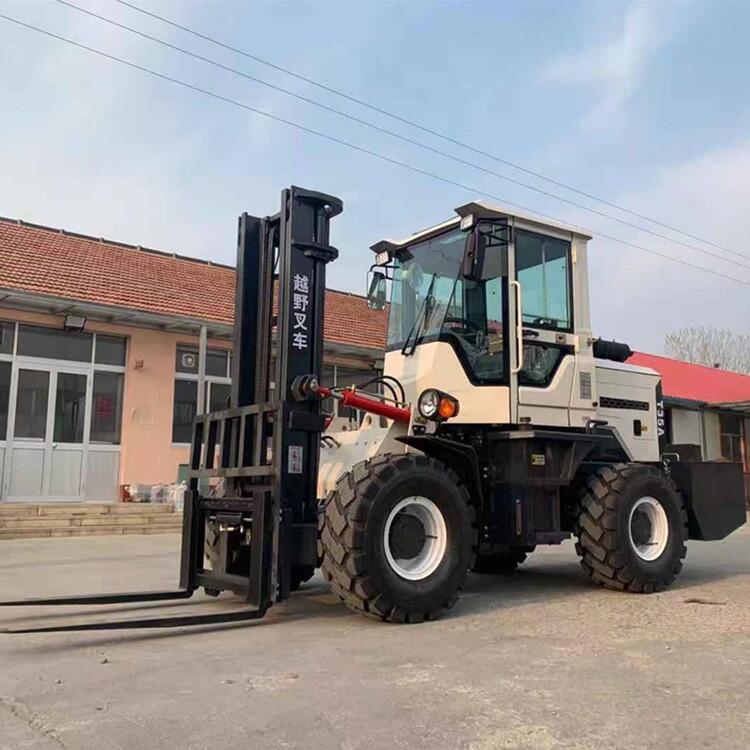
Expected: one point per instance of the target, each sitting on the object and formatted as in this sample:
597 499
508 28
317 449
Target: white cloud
638 297
615 69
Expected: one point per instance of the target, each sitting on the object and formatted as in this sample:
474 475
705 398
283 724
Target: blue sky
644 104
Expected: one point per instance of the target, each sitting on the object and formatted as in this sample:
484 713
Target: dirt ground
541 660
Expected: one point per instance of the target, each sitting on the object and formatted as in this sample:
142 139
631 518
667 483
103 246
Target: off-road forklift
498 423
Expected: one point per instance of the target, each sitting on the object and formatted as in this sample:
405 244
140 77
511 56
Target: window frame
463 358
194 377
732 436
61 333
112 370
569 259
90 367
564 349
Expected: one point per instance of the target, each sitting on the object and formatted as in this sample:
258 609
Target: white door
45 458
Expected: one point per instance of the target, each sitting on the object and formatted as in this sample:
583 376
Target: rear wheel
631 528
503 563
397 537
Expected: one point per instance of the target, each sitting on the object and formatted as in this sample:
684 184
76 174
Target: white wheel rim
429 557
648 528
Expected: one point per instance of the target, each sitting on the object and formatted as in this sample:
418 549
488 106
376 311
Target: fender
460 457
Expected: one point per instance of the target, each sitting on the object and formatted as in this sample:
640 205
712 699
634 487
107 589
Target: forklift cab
494 304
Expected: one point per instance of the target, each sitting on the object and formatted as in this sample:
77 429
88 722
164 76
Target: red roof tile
696 382
59 264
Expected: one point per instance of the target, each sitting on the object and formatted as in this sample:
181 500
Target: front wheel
631 528
397 537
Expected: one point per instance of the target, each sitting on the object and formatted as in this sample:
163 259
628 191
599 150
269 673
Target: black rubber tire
503 563
604 545
351 538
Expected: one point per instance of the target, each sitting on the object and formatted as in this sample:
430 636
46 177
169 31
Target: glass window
423 281
35 341
31 404
539 364
731 437
110 350
106 407
217 362
70 408
543 269
218 396
5 368
480 332
7 331
184 412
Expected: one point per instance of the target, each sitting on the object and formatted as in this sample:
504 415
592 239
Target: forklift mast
260 456
266 445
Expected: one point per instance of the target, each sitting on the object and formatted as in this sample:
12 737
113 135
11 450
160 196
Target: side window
184 410
539 364
489 364
476 320
543 268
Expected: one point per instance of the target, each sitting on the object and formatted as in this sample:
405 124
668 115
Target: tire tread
342 534
596 529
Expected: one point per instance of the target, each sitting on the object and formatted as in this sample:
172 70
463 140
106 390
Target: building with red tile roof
127 385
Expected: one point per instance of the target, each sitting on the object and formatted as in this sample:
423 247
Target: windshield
430 300
423 283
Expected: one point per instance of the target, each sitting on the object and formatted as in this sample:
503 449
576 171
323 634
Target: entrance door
45 455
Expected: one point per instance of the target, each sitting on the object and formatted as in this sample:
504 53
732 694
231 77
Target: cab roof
485 210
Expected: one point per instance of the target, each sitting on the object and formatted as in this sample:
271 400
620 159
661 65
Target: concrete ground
538 661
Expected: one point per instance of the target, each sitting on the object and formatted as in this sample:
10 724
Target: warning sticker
295 459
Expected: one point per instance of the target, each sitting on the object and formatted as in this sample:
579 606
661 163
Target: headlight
429 403
436 405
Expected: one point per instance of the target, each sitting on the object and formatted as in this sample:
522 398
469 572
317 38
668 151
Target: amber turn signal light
448 408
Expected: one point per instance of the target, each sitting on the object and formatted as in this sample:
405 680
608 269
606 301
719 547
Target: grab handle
519 329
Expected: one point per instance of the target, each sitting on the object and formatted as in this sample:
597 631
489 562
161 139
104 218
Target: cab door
544 370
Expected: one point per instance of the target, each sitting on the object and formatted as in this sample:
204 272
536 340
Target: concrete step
110 517
18 510
174 519
88 531
30 520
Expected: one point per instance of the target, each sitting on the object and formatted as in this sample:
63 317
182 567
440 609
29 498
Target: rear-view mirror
486 252
376 290
473 256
